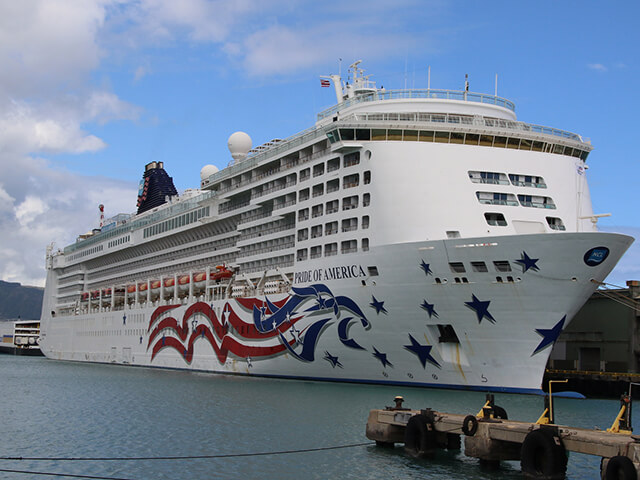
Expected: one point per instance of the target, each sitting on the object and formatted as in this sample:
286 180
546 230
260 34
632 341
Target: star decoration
481 308
332 360
422 351
426 268
429 309
549 335
382 357
528 263
379 306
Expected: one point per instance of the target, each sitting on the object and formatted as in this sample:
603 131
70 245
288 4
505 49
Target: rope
68 475
185 457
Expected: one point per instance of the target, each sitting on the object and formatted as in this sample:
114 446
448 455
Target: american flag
324 83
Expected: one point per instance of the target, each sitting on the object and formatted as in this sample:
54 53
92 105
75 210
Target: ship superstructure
420 237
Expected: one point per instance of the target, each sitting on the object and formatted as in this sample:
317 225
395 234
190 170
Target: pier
489 436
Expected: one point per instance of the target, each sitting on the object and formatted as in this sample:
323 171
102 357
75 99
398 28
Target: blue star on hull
382 357
422 351
528 263
332 360
429 308
481 308
427 269
378 306
549 335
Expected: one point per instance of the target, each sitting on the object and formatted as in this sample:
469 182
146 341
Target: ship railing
268 231
285 204
227 207
257 216
382 95
275 188
271 248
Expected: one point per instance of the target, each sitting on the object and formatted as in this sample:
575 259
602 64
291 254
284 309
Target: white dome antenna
239 144
207 171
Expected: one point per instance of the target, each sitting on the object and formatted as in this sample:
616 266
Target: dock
489 436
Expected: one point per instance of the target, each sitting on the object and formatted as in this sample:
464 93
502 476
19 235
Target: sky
92 90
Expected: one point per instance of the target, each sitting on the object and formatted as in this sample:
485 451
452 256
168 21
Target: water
63 409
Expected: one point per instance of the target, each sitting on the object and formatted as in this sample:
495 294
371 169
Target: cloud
597 67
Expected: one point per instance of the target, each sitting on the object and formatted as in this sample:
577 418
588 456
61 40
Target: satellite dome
239 144
207 171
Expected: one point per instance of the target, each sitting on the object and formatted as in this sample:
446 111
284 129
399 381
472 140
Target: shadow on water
64 409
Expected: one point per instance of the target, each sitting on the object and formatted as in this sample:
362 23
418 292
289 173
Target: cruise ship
414 237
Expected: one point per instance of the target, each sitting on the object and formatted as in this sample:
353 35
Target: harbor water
257 428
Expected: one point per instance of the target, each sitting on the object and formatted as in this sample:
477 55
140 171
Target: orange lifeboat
221 273
155 285
131 288
142 287
169 283
183 282
106 292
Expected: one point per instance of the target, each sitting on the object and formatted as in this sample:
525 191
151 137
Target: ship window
479 267
373 271
303 214
367 177
349 246
471 139
426 136
495 219
520 180
363 134
330 249
525 144
410 135
576 153
394 134
495 198
347 134
349 224
316 252
365 244
318 169
486 140
378 134
500 142
559 149
332 206
366 199
442 137
447 334
303 234
350 202
457 267
536 201
318 190
502 265
351 181
316 231
453 234
555 223
316 211
514 143
331 228
537 146
365 222
303 195
305 174
302 254
457 137
333 136
493 178
333 164
351 159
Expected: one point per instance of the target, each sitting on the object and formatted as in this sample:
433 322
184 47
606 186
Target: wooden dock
489 436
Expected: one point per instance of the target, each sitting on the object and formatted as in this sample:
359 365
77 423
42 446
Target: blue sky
91 90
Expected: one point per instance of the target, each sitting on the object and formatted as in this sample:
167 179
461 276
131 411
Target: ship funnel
239 144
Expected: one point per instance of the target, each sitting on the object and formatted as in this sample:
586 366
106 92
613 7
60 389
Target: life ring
420 436
499 412
470 425
543 455
620 468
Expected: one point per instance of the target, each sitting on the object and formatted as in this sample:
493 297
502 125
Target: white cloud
597 67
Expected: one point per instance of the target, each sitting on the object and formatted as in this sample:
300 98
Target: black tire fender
470 425
420 436
543 455
620 468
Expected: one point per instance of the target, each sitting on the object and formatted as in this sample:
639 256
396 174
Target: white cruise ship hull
478 313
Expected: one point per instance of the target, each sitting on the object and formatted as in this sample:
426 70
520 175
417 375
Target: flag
324 83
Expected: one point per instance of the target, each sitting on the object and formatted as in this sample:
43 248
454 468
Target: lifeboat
169 283
131 289
199 280
155 286
183 282
142 287
106 293
221 273
85 296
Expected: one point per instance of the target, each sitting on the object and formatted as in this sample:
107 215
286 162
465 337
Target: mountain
17 301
